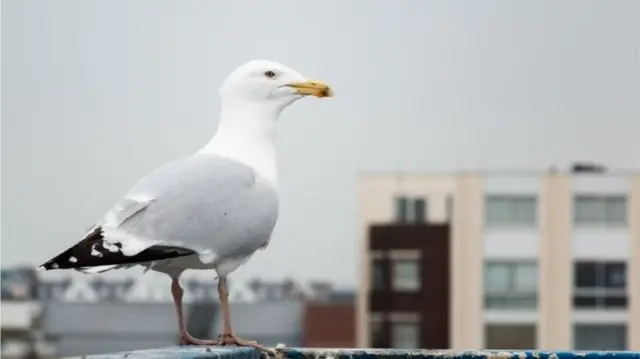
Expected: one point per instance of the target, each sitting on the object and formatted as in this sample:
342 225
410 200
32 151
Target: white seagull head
271 84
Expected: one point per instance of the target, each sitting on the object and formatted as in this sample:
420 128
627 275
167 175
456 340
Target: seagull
210 210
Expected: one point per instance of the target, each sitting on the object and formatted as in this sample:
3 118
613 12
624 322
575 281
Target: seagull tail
94 255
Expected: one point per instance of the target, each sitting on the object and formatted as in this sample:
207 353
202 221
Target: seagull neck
248 123
247 134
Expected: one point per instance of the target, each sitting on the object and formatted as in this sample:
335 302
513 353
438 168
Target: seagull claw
187 339
232 339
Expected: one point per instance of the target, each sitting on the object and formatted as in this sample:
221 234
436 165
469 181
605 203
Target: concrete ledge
194 352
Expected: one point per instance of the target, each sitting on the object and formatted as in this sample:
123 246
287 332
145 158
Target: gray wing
201 202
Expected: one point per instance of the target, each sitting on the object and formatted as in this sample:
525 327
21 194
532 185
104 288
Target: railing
320 353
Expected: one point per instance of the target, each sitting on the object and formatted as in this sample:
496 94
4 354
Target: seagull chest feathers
247 134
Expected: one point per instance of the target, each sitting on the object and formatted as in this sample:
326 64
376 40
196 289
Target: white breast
258 155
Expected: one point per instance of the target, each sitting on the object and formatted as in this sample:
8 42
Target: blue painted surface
186 352
193 352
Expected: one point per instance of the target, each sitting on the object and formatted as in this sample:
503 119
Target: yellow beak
313 88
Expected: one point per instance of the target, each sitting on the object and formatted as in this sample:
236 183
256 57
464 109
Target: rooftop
504 172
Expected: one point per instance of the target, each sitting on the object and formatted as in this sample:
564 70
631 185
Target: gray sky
97 94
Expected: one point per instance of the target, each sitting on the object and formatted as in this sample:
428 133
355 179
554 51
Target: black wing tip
48 266
91 252
55 263
67 259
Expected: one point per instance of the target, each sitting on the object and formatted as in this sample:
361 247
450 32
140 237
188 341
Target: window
405 275
615 275
600 337
600 210
419 210
510 285
377 334
401 209
511 211
411 209
510 336
405 335
377 274
600 285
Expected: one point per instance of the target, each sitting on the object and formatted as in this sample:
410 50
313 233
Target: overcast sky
95 94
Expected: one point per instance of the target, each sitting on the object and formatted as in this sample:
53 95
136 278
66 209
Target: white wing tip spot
73 259
110 247
94 252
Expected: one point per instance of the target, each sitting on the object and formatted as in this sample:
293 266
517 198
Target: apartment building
495 260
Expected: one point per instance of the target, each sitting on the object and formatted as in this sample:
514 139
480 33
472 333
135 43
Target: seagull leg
185 337
229 337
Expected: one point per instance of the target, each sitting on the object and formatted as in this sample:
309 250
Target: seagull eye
270 74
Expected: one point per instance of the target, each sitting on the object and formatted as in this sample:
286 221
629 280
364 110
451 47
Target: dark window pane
401 209
615 275
585 275
378 335
581 301
377 274
615 301
419 210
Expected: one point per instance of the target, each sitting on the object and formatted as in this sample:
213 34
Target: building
495 260
409 301
85 328
330 322
77 328
92 316
20 331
